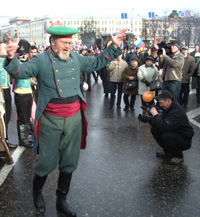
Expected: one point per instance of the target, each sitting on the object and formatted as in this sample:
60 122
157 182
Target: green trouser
59 143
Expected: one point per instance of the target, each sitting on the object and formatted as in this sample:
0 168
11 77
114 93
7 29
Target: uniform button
56 70
54 61
75 88
72 60
73 78
58 80
72 69
60 90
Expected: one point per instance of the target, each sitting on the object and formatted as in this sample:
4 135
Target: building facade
35 30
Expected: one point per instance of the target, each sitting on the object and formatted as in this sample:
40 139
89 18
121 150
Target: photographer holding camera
172 65
171 128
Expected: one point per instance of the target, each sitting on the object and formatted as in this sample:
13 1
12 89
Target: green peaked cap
62 31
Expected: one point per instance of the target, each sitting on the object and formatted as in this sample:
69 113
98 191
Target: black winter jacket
174 119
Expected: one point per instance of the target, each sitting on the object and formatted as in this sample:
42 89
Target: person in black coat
171 128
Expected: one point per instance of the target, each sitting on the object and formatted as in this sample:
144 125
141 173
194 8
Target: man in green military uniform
60 125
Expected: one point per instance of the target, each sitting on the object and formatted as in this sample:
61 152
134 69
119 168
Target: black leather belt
67 100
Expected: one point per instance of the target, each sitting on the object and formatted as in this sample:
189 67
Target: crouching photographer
171 128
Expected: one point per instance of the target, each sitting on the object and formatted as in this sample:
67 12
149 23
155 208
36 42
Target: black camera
146 116
166 46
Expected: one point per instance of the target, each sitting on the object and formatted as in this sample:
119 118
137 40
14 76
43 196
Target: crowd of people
49 92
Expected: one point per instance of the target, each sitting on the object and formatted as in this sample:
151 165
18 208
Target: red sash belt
63 110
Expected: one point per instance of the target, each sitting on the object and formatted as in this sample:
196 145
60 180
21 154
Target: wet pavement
118 174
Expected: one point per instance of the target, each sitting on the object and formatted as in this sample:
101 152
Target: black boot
29 133
22 134
38 199
61 193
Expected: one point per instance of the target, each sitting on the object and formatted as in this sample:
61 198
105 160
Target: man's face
137 50
184 52
165 104
61 47
154 54
3 50
174 49
32 52
196 48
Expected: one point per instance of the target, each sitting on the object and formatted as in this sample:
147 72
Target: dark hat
154 49
135 59
137 48
175 43
131 48
184 48
62 31
164 95
149 58
23 48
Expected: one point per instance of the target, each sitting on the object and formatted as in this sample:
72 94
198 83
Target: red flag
155 42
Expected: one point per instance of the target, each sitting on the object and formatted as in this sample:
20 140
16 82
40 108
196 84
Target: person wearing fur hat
145 75
130 74
172 69
60 126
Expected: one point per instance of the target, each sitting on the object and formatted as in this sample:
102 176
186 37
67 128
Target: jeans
113 87
174 87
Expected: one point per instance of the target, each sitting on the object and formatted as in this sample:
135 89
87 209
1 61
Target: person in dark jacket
130 74
129 56
188 70
139 55
171 128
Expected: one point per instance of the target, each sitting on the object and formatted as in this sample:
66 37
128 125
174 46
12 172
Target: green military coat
57 78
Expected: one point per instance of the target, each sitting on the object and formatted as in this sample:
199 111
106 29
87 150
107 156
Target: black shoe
3 154
184 106
132 109
26 145
126 109
118 107
106 95
110 107
10 145
64 207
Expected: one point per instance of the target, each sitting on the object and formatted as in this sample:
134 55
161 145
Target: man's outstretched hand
119 38
11 47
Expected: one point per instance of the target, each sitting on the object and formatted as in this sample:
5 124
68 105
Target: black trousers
184 93
8 108
171 142
198 90
23 104
126 101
